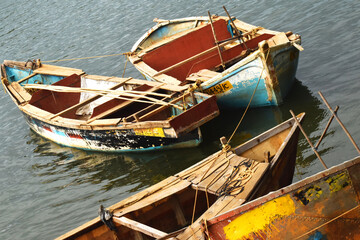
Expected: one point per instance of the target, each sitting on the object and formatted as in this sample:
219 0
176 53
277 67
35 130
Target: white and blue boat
109 114
225 57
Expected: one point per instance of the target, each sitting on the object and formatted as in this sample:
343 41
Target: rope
127 59
252 96
81 58
231 185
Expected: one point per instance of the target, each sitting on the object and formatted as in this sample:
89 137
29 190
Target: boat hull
112 140
237 85
323 206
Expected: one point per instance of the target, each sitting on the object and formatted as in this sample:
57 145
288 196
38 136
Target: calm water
46 190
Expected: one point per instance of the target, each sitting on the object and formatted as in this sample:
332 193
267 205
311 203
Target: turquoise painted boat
225 57
107 114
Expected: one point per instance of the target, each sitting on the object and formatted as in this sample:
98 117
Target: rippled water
46 190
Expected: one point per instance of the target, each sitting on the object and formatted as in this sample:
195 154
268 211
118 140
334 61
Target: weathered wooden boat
225 57
102 113
177 206
323 206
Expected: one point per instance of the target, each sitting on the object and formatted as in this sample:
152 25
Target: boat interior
197 50
168 207
143 101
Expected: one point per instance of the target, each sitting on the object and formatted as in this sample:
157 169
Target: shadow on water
140 170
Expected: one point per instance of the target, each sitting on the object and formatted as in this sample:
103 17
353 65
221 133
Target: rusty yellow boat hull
323 206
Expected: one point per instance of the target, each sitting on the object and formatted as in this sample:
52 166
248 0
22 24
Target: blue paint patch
15 74
317 236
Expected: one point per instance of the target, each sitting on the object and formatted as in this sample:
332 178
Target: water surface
46 190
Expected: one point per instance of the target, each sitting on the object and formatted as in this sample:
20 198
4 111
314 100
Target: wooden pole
236 30
339 121
307 138
326 128
216 41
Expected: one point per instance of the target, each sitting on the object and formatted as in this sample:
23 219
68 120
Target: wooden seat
19 93
203 75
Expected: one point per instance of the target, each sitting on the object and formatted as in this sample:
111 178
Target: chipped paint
111 141
259 219
153 132
314 192
338 182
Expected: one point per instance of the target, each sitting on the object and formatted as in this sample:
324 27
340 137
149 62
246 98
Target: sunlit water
46 189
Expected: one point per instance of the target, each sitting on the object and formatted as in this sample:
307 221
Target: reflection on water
140 170
47 189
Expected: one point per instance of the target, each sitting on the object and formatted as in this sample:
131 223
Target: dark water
46 189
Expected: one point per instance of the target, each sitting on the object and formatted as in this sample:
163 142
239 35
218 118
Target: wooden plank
26 78
201 174
179 212
144 110
148 197
222 205
89 100
23 93
57 70
159 109
16 94
114 109
215 186
139 227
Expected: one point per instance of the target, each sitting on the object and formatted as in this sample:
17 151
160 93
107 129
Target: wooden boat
102 113
177 206
323 206
228 58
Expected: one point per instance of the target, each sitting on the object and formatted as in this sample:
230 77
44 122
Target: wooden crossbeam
144 110
89 100
19 93
26 78
147 230
114 109
159 109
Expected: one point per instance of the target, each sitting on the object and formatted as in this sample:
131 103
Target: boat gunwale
283 191
99 124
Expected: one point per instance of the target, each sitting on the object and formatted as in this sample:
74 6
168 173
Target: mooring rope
252 96
225 149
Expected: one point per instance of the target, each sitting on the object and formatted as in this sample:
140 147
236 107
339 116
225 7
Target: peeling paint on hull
273 56
323 206
124 140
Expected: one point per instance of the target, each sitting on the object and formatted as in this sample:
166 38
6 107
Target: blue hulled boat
222 56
